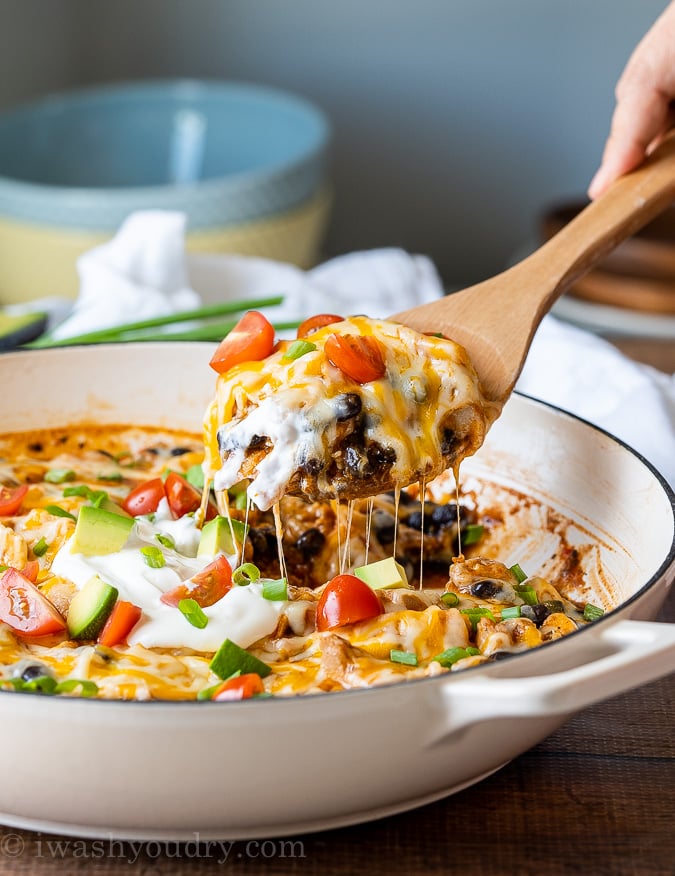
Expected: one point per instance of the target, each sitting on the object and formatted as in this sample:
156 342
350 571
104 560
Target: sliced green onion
192 611
41 547
472 652
513 611
87 688
113 476
16 683
472 534
59 475
230 658
166 541
475 614
59 512
518 572
593 612
405 657
195 476
3 568
453 655
96 497
42 684
153 557
246 573
527 593
450 599
298 349
276 590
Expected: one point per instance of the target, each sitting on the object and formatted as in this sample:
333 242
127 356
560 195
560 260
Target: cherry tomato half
345 600
27 611
314 323
144 498
123 618
241 688
11 499
206 587
251 340
357 356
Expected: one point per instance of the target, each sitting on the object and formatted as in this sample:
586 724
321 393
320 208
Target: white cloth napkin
144 271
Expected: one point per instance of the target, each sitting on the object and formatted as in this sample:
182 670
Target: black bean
447 442
444 515
384 527
404 498
536 613
379 455
414 520
553 606
500 655
311 466
346 406
264 542
310 542
33 671
356 462
179 451
485 589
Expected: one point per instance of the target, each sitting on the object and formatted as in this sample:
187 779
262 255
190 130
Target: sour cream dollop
242 615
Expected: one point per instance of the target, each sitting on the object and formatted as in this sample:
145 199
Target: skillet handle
623 655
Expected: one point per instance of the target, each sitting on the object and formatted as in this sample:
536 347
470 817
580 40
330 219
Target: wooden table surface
597 797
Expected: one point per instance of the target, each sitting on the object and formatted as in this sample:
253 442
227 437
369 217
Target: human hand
644 109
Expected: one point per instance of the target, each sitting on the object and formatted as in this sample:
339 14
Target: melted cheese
295 406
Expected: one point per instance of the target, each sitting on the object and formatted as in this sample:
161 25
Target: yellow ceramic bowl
37 261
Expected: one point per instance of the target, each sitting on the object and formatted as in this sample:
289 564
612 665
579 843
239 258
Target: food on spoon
162 607
352 408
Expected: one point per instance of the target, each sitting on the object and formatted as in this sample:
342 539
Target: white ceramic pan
272 766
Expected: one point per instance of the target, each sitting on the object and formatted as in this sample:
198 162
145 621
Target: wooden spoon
496 320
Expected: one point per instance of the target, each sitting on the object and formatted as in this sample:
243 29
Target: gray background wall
456 121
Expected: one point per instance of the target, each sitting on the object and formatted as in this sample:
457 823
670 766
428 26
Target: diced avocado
383 575
90 608
216 537
100 532
230 658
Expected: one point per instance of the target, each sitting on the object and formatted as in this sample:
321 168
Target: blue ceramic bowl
223 153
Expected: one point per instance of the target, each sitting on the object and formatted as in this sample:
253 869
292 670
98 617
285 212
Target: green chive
153 557
298 349
518 572
59 475
475 614
527 593
593 612
59 512
41 547
166 541
450 656
192 611
246 573
514 611
472 534
42 684
96 497
450 599
87 688
195 476
109 476
275 590
405 657
230 658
